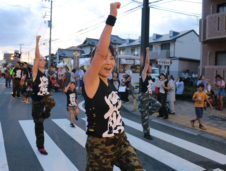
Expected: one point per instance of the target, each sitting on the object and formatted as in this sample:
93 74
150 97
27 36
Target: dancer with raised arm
42 103
148 104
107 144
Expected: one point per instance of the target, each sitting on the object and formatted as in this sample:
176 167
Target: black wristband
111 20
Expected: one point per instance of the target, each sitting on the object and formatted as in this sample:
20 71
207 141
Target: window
221 58
165 46
122 51
132 51
221 8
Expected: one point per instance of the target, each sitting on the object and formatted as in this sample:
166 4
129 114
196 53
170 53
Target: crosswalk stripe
56 159
161 155
77 134
205 152
3 159
217 169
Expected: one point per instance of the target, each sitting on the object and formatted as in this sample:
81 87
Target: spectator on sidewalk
67 77
162 95
171 95
115 80
220 84
199 97
147 103
80 74
180 86
73 78
203 81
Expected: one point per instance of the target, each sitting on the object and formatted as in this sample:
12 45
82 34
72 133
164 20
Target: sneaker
148 136
192 123
43 151
202 127
72 125
76 117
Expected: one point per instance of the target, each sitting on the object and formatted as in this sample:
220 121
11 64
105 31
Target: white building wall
188 46
172 49
174 68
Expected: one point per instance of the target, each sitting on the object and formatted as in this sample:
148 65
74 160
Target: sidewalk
215 121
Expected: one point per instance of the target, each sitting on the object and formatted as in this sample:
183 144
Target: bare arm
91 78
147 63
37 56
66 88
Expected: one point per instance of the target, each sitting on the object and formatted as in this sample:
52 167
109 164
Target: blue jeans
7 82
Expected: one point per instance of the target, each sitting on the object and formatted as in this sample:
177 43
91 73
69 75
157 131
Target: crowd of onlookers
19 78
172 88
60 77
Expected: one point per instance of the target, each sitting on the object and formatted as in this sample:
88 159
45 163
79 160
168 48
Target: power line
174 11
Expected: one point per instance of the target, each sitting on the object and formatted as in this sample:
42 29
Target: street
171 149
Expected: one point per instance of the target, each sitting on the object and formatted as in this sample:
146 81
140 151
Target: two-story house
89 44
173 53
213 38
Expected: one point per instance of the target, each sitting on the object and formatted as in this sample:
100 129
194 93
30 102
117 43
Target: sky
75 20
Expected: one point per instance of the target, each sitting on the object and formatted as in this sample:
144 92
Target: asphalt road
171 149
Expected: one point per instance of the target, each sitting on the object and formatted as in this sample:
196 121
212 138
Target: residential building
89 44
213 38
172 53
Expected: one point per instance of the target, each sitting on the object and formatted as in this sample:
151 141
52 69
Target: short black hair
201 85
110 48
218 76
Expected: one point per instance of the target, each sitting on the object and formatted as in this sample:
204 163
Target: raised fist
114 8
38 38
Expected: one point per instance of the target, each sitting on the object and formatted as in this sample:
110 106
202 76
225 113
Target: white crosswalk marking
205 152
77 134
161 155
56 159
3 159
217 169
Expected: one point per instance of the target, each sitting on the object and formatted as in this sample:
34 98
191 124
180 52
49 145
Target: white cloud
22 20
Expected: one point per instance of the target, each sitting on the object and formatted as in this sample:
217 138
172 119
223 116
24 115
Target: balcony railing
214 27
160 54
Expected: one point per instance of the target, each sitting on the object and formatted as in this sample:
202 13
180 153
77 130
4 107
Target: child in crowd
199 97
72 102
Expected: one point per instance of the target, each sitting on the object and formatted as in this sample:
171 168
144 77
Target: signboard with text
165 62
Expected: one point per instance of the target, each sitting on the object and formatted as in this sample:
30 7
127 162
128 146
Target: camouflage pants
103 153
147 106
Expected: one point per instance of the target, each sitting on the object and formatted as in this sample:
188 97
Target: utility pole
144 31
50 32
144 34
21 48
